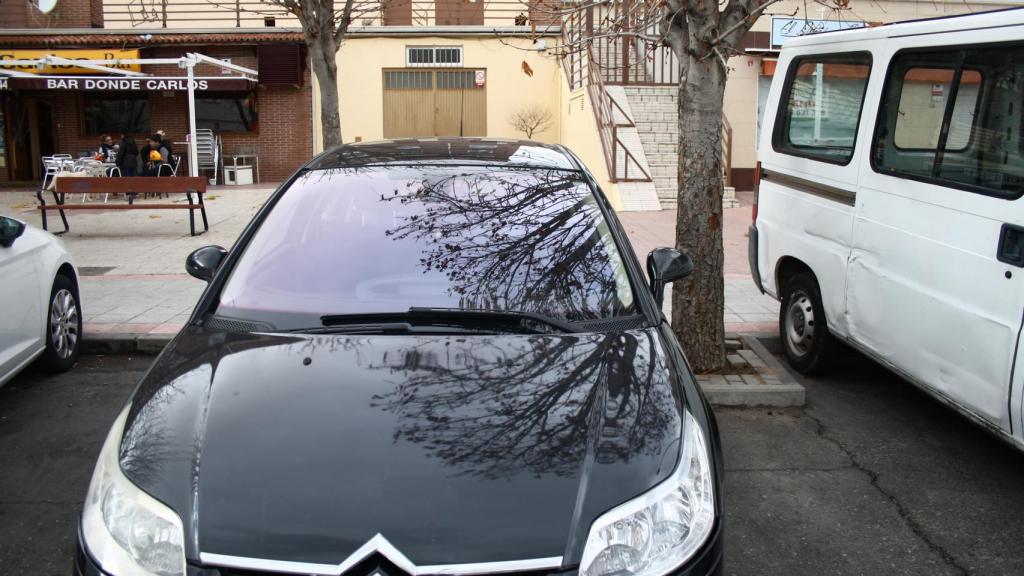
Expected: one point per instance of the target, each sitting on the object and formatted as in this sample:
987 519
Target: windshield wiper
360 328
463 318
496 316
387 328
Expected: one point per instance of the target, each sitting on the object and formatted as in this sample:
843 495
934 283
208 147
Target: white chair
93 168
207 151
171 166
51 168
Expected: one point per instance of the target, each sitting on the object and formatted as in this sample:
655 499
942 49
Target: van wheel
806 342
63 326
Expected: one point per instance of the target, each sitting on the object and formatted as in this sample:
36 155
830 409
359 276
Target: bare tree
701 34
495 411
531 119
325 24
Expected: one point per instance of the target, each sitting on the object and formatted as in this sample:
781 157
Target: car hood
455 449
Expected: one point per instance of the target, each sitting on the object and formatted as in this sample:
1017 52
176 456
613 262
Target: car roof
956 23
446 151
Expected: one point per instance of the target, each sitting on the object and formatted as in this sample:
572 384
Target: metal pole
193 153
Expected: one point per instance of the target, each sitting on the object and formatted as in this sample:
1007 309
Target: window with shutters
434 56
281 65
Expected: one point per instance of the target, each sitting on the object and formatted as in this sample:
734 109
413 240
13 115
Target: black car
422 357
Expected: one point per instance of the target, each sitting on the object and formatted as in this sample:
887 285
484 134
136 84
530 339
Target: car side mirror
10 230
665 265
203 263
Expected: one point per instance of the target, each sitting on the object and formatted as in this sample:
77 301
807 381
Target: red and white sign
480 77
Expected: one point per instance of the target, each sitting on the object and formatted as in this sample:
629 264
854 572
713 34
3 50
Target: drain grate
94 270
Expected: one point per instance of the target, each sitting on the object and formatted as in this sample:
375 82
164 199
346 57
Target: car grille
373 566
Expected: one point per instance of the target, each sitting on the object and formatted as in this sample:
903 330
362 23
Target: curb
773 386
125 343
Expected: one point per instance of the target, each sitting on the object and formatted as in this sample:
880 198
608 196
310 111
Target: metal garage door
433 103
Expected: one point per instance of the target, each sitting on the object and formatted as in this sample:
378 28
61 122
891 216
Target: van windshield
386 239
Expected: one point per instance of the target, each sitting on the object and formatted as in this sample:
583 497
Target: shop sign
114 84
70 55
785 28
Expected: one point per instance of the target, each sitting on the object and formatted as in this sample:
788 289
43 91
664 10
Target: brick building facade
67 14
282 133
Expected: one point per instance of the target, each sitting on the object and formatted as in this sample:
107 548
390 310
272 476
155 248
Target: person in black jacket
128 156
107 149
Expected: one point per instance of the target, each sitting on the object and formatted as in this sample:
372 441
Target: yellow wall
508 89
318 126
579 134
740 108
360 77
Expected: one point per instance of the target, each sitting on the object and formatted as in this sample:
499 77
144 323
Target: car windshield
387 239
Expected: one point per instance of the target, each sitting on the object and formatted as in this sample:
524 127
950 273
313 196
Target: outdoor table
251 159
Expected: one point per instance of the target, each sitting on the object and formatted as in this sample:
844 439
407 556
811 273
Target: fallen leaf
154 216
526 69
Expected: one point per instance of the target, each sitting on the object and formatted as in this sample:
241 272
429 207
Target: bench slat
119 206
141 184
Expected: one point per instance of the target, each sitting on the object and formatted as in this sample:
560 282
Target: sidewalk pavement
132 264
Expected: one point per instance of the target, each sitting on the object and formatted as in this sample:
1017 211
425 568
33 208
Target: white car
42 316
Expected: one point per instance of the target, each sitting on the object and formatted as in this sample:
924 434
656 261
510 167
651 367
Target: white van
889 210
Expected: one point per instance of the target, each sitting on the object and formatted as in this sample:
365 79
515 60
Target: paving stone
752 358
736 361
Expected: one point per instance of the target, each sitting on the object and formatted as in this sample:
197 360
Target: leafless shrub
531 119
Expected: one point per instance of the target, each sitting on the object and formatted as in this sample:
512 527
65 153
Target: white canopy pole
193 151
58 60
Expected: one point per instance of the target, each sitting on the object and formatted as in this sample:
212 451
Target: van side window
953 117
822 101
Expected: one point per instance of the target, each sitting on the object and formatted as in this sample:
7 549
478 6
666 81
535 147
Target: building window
227 111
821 107
953 118
456 80
122 113
459 12
433 56
408 80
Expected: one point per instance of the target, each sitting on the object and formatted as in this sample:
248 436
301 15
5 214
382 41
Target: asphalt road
872 477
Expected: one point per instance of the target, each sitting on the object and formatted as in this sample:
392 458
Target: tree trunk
323 54
698 302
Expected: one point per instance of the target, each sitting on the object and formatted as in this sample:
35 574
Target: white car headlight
126 530
658 531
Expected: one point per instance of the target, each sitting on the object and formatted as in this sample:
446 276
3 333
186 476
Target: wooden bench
130 187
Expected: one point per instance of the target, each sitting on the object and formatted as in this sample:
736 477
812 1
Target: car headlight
658 531
126 530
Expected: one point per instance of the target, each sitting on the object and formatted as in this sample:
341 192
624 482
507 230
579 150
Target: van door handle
1011 245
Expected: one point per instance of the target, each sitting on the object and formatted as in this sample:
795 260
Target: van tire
807 343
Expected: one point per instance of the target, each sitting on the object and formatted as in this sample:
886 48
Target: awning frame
188 62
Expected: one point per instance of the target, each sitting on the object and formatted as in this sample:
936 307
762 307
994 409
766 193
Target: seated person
153 155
